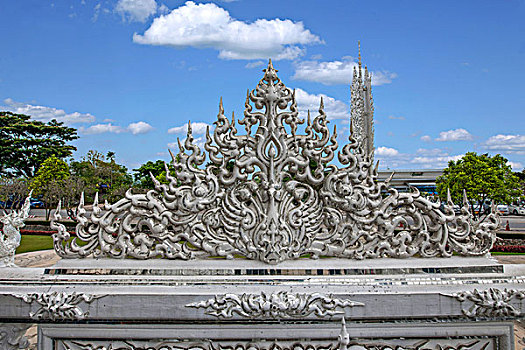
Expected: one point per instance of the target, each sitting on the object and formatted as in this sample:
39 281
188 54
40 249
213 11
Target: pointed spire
308 119
156 182
221 108
189 127
344 337
321 105
465 198
81 202
449 197
390 178
359 57
95 201
173 159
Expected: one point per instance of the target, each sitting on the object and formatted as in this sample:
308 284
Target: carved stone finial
344 337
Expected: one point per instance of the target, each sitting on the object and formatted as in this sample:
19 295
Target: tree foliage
26 143
50 182
101 173
157 169
482 177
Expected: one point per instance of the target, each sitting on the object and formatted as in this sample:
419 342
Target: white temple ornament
10 236
275 305
272 195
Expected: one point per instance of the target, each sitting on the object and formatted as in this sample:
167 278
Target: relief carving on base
58 305
467 344
275 305
492 302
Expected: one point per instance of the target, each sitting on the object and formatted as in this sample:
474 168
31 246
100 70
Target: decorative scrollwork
276 305
281 345
58 305
492 302
272 195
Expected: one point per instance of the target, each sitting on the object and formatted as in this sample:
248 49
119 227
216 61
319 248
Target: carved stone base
284 336
12 336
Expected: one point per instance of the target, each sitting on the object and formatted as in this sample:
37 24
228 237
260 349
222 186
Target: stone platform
459 303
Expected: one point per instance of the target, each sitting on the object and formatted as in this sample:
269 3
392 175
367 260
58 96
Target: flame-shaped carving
271 195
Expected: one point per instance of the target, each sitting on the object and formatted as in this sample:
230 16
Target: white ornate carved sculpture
271 194
10 235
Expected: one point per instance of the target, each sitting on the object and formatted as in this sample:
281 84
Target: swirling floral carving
271 194
58 305
275 305
492 302
304 345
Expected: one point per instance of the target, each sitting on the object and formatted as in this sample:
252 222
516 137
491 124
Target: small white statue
10 235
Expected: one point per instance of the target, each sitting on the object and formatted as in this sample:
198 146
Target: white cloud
516 166
334 109
134 128
336 72
197 128
45 114
102 128
435 161
386 152
139 128
254 64
455 135
210 26
199 141
421 159
426 138
512 144
431 152
136 10
396 118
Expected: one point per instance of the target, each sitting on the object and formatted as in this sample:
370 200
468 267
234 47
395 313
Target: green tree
50 182
26 143
101 173
157 169
482 177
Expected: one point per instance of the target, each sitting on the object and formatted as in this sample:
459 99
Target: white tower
362 107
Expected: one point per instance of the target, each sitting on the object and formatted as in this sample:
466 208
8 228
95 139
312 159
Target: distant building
422 179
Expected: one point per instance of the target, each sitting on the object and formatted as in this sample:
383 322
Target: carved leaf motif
276 305
492 302
58 305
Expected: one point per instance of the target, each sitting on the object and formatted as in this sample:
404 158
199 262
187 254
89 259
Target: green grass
32 243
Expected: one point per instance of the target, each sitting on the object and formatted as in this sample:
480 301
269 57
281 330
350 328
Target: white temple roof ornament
271 194
362 107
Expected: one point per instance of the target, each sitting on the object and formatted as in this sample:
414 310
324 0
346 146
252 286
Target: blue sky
449 76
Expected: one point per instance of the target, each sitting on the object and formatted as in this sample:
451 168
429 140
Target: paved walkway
47 258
